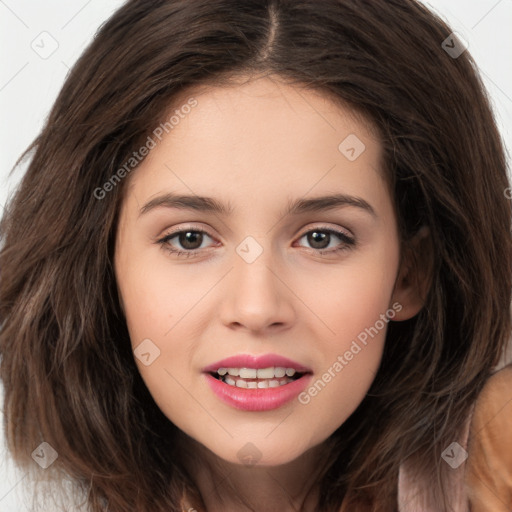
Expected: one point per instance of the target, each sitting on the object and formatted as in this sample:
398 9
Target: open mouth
261 378
263 383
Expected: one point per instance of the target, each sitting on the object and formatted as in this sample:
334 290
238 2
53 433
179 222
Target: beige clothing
489 472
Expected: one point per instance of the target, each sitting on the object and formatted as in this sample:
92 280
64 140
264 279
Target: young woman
261 260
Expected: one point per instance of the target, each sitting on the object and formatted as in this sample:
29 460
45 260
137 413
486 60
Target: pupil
316 237
189 239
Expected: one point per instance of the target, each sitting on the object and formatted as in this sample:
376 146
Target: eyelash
348 242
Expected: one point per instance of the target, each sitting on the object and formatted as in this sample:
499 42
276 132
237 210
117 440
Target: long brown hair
67 366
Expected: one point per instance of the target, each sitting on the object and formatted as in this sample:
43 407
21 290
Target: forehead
260 137
257 109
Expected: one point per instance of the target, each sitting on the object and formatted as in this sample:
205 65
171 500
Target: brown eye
185 242
321 239
190 239
318 239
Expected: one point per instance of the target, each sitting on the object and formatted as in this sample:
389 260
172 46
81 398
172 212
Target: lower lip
264 399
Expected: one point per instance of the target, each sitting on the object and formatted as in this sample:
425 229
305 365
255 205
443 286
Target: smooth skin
256 147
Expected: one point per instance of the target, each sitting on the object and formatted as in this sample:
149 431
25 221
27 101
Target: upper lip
258 362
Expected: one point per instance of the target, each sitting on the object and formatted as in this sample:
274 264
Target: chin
260 452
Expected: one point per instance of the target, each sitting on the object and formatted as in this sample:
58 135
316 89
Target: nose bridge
252 268
257 298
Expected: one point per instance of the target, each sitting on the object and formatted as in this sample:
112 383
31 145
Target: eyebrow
208 204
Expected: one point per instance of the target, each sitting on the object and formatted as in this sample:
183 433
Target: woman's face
286 262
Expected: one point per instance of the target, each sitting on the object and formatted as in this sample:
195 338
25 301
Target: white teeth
248 373
271 377
265 373
279 372
252 384
261 373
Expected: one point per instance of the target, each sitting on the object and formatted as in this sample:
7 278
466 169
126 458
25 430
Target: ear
414 276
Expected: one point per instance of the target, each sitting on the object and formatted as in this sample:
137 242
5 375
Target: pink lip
257 399
264 399
258 362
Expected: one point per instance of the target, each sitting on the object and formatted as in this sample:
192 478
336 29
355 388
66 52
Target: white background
29 84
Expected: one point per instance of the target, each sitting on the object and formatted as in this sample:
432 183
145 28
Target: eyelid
305 230
338 229
181 229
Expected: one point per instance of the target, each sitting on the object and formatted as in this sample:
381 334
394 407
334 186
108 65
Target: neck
229 487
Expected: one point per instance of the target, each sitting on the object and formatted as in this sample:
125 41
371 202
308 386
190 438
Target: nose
257 297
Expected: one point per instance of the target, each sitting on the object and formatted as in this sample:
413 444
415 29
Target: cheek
161 308
156 317
156 295
350 296
350 358
336 393
351 302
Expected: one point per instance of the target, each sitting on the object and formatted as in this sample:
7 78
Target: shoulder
489 463
493 408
